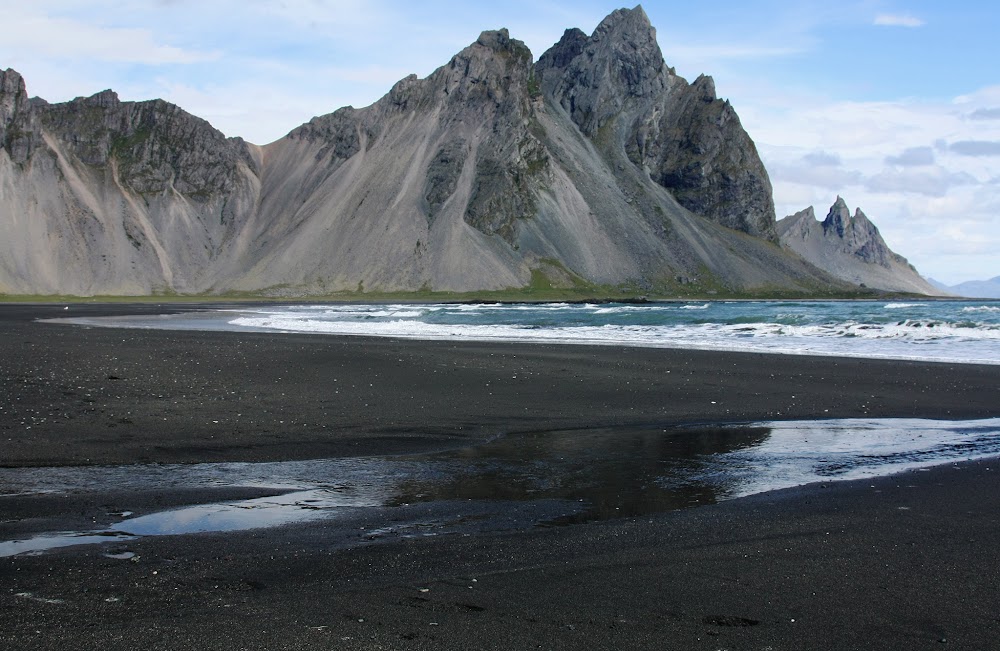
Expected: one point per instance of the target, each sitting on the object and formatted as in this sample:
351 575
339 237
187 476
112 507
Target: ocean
942 331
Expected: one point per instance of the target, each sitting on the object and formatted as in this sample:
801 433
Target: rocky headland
851 249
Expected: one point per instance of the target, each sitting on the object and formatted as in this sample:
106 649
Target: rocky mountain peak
106 99
849 247
152 146
693 144
12 90
838 219
12 93
630 26
626 42
496 49
619 91
499 41
491 83
594 78
489 69
798 226
18 121
562 53
704 88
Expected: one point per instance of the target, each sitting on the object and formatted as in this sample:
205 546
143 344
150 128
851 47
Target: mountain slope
597 165
103 196
850 248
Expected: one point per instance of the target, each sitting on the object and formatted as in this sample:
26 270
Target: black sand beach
904 562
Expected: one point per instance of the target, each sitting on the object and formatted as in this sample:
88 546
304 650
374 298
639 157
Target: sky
892 104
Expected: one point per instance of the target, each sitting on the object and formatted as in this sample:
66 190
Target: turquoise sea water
953 331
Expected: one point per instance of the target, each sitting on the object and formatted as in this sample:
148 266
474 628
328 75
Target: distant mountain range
596 166
972 288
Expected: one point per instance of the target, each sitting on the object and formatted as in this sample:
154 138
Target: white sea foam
952 331
476 307
905 340
643 310
919 330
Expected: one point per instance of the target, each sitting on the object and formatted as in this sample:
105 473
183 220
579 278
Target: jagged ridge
596 165
850 248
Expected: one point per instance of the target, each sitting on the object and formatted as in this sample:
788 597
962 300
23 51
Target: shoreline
449 298
837 341
90 322
75 395
897 562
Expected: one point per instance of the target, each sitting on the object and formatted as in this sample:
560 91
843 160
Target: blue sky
892 104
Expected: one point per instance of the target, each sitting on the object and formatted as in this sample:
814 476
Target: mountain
850 248
595 166
972 288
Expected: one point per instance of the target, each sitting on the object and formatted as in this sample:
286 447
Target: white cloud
912 157
984 98
976 148
816 169
821 159
64 37
898 20
985 114
906 164
934 182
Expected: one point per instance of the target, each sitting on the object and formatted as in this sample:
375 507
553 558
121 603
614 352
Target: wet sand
905 564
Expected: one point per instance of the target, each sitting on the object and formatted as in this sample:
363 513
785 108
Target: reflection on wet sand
559 477
613 473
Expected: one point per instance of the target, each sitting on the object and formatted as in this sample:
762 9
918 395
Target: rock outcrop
850 248
597 165
618 90
19 129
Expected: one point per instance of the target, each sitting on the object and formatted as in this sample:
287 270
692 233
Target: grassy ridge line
502 296
551 282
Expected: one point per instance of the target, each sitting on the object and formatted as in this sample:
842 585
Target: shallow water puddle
290 508
294 507
595 474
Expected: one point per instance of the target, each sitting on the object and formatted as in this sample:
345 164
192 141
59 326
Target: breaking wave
942 331
945 331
